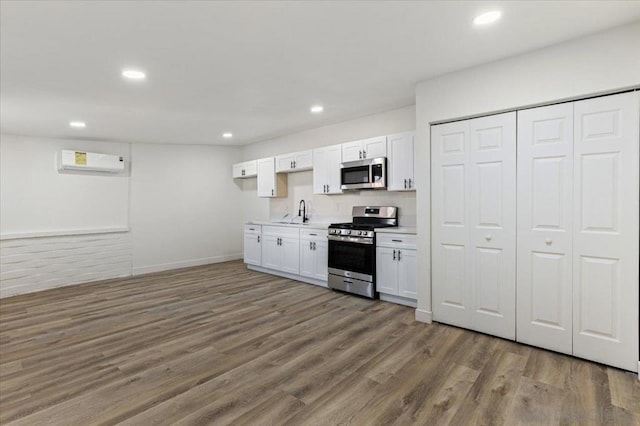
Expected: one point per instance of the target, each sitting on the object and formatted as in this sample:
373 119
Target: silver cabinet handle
405 184
394 255
410 183
294 164
310 245
548 241
488 237
397 241
327 188
313 235
272 191
258 238
360 154
314 245
399 255
364 154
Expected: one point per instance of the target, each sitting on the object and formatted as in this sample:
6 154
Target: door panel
307 259
290 252
408 275
270 252
451 286
322 255
492 155
605 258
386 271
544 277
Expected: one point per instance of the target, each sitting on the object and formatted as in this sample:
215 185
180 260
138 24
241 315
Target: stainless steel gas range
352 249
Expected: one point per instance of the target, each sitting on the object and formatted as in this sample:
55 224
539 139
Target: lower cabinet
280 248
396 268
253 244
293 252
314 254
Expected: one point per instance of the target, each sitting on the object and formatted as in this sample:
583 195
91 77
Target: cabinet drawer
407 241
252 229
313 234
280 231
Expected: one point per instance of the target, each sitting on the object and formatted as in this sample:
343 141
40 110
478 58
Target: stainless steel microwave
364 174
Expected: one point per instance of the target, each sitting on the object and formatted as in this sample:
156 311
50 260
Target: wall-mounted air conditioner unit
90 161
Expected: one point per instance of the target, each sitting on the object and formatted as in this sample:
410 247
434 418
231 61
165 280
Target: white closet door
545 185
491 180
451 274
605 259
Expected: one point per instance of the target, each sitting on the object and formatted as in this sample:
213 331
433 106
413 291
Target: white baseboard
139 270
288 275
424 316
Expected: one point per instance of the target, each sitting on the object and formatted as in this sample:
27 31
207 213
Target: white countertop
308 225
397 230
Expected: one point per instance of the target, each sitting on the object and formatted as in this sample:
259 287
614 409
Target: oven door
351 259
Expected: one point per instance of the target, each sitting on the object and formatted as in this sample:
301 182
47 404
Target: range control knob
348 232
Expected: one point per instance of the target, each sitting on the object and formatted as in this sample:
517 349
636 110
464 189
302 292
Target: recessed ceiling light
227 135
317 108
487 18
77 124
132 74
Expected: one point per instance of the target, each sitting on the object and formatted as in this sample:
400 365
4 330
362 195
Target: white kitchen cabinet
400 162
270 184
314 249
246 169
294 162
363 149
473 173
253 244
397 267
326 169
280 248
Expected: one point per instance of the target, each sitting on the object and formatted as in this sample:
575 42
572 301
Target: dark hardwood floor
219 344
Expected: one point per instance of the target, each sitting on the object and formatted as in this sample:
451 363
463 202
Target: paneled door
492 212
545 193
605 224
474 223
450 192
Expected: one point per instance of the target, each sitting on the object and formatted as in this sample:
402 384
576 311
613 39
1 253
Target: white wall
37 198
596 64
328 207
185 208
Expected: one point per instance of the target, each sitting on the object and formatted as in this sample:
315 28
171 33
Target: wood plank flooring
220 344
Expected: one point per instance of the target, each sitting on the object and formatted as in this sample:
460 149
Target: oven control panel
351 233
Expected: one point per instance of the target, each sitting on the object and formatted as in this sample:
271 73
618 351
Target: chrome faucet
302 211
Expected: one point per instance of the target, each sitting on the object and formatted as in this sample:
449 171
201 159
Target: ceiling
251 68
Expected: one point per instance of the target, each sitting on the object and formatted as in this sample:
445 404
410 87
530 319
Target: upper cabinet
295 162
326 169
400 162
246 169
270 184
366 148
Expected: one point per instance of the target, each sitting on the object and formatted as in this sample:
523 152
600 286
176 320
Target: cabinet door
400 156
451 269
545 193
352 151
284 163
492 207
250 168
303 160
270 252
237 170
321 251
374 147
605 230
387 270
307 259
408 274
266 177
290 253
252 249
326 170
